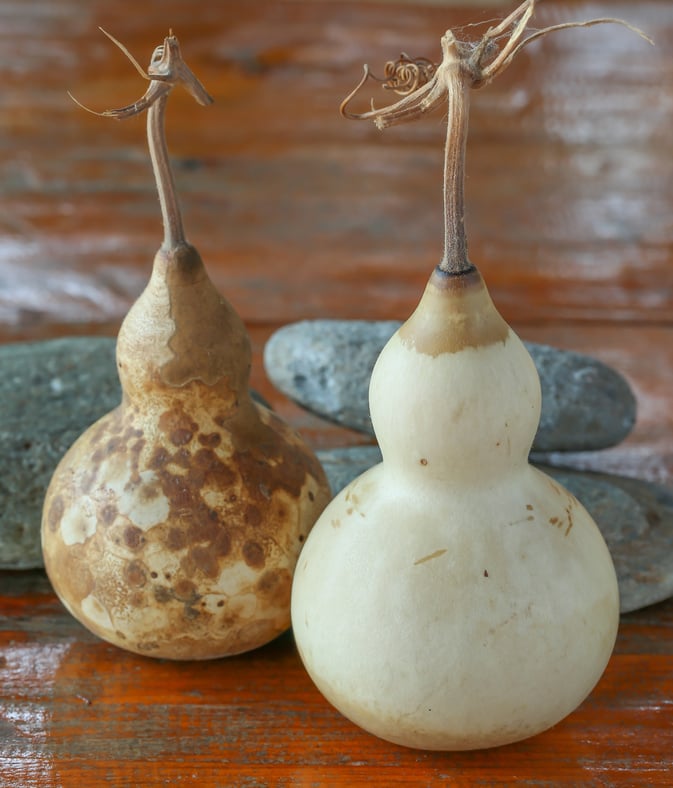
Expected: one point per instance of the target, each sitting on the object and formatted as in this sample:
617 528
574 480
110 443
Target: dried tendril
424 87
166 70
422 83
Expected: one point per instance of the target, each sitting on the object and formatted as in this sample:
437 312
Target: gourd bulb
453 596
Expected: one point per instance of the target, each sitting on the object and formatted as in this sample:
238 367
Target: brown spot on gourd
253 554
423 461
113 446
109 514
182 458
553 520
55 513
275 584
186 590
134 574
268 453
163 594
203 527
177 491
181 437
175 539
146 646
529 506
134 538
222 543
136 450
209 469
203 560
252 515
149 492
176 421
211 440
159 459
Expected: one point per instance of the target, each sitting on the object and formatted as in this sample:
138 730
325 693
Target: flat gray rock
325 366
635 518
50 392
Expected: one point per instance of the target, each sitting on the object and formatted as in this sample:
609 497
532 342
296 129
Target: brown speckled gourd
172 526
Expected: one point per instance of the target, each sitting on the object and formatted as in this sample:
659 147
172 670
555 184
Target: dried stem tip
425 86
166 70
423 83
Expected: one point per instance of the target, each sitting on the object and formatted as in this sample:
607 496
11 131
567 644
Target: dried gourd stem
463 67
166 70
174 233
457 84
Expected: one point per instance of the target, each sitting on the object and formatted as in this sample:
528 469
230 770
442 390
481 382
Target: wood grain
301 214
77 707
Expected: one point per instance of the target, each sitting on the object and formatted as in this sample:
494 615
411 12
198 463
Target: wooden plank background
301 214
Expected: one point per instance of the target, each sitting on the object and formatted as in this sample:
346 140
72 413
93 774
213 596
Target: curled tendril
422 84
406 74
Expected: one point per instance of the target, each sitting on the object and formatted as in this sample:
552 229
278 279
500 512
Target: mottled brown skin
173 525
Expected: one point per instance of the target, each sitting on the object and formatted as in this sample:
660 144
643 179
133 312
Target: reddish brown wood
75 707
299 214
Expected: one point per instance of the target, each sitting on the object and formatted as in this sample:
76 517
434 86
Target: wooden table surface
301 214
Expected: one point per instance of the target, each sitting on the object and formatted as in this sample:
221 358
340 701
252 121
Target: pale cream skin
454 597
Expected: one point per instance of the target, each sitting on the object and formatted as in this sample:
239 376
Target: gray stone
635 518
50 392
325 366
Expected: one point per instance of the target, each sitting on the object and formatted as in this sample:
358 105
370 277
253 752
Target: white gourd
453 596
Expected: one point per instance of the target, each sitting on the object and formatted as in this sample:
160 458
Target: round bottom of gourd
187 641
459 625
177 539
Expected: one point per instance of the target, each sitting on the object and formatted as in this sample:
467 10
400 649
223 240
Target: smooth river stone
325 366
635 518
51 392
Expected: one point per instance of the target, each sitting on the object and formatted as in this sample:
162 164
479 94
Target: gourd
172 526
453 597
